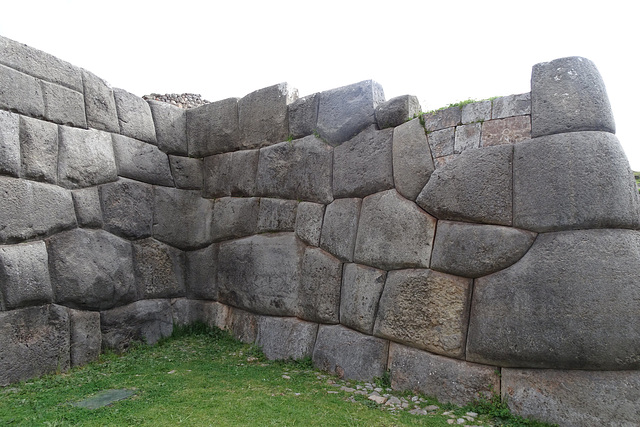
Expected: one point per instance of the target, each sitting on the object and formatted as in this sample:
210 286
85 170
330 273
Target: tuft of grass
498 410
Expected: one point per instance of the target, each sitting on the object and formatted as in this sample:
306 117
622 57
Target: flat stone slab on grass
104 398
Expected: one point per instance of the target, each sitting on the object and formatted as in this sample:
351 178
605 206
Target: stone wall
489 247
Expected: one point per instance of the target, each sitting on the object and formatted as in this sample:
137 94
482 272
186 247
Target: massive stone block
235 217
396 111
442 142
571 302
134 116
308 225
276 215
170 123
393 233
425 309
63 105
243 169
360 293
187 172
467 137
20 93
286 337
39 150
9 144
159 270
217 176
100 105
213 128
91 269
319 294
141 161
24 275
512 105
592 184
88 207
568 95
243 325
476 112
187 311
412 161
443 118
201 273
85 336
127 208
340 227
506 131
303 115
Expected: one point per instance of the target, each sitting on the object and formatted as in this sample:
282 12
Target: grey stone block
85 158
187 172
319 295
340 227
276 215
63 105
39 150
217 175
235 217
297 170
20 93
85 336
425 309
91 269
159 270
284 338
261 273
467 137
243 325
506 131
170 123
350 354
308 225
475 187
213 128
141 161
244 167
88 207
448 380
442 142
303 116
186 312
35 341
361 290
30 209
202 273
393 233
476 112
593 186
9 144
443 118
24 275
100 105
262 115
475 250
134 116
568 95
412 161
145 320
512 105
396 111
364 164
127 208
346 111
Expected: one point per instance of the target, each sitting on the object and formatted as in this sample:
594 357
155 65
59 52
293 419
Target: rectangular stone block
276 215
319 295
213 128
283 338
63 105
308 225
24 275
217 176
243 170
360 293
134 116
159 270
202 273
188 311
303 116
506 131
9 143
412 160
443 118
85 337
442 142
476 112
171 127
512 105
39 150
127 208
88 208
235 217
340 227
141 161
243 325
187 172
467 137
100 105
20 92
396 111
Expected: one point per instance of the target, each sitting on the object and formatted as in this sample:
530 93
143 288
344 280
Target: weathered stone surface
88 207
412 161
553 308
159 270
439 162
141 161
243 169
187 311
297 170
29 209
91 269
145 320
444 118
284 338
20 93
213 128
202 273
568 95
39 150
442 142
512 105
393 233
474 187
319 295
100 105
9 143
235 217
63 105
35 341
592 183
556 396
187 172
85 336
262 115
397 110
364 164
350 354
474 250
261 273
476 112
24 275
346 111
425 309
276 215
243 325
449 380
170 123
340 227
127 208
85 158
467 137
361 290
303 116
308 225
506 131
217 176
134 116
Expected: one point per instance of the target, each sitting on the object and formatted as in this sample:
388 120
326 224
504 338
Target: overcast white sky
441 51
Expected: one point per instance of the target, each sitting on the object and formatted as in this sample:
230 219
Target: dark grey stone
319 295
88 207
303 116
127 208
170 123
412 161
443 118
477 112
85 336
187 311
284 338
243 325
24 275
340 227
63 105
159 270
235 217
308 225
243 169
397 110
276 215
20 93
217 176
512 105
202 273
141 161
134 116
187 172
361 290
9 144
213 128
100 105
39 150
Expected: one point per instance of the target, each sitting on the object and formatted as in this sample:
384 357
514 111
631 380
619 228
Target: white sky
441 51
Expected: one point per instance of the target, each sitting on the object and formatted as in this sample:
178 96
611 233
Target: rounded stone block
412 161
359 296
396 111
20 93
319 294
235 217
340 227
24 275
283 338
63 105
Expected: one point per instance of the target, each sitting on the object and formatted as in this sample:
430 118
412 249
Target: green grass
202 377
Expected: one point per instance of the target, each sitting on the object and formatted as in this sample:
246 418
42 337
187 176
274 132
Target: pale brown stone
506 131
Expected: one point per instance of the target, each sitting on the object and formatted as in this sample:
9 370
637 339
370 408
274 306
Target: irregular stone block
213 128
506 131
467 137
568 95
448 380
30 209
512 105
141 161
346 111
88 208
39 150
202 273
261 273
303 116
145 320
350 354
476 112
439 162
364 164
9 144
425 309
85 158
35 341
187 172
100 105
235 217
297 170
243 325
553 308
283 338
24 275
309 222
159 270
187 312
361 290
127 208
244 166
170 123
262 115
91 269
20 93
443 118
276 215
217 176
319 295
63 105
340 227
475 187
474 250
442 142
134 116
85 336
412 161
393 233
397 110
